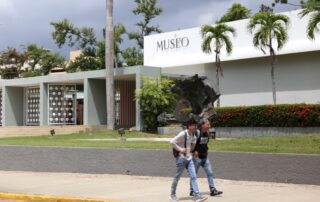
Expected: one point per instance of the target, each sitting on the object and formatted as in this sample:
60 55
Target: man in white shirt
182 145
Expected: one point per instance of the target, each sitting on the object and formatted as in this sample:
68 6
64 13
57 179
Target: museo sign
172 44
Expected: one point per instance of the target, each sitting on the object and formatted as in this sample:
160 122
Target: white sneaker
173 198
201 198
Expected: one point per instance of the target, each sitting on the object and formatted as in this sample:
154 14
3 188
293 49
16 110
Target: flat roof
183 47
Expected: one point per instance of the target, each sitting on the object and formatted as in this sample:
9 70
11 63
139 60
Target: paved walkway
148 189
281 168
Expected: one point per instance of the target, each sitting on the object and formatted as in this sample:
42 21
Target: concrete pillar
13 102
139 124
94 103
43 104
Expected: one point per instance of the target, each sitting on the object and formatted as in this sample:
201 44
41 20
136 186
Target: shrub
155 97
297 115
31 73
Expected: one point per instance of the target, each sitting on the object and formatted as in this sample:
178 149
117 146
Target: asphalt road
286 168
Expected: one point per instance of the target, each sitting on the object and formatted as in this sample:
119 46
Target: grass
302 144
83 140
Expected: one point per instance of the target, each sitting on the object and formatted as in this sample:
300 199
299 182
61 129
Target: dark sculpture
194 92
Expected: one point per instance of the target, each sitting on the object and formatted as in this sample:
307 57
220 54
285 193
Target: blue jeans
206 165
182 164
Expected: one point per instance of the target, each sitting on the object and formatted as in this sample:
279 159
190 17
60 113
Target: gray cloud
27 22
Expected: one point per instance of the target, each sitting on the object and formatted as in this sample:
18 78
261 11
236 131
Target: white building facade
247 77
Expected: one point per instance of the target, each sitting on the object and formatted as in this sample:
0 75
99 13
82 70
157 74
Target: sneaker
201 198
191 193
215 192
173 198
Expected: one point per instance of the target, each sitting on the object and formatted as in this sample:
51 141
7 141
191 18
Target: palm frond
206 45
206 29
313 23
228 43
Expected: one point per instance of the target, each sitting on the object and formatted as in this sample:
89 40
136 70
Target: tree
85 39
66 33
11 62
218 35
271 28
236 12
109 51
85 63
132 56
34 54
148 9
155 97
265 8
44 58
312 7
49 61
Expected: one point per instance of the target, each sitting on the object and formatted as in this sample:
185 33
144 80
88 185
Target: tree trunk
217 76
274 95
109 65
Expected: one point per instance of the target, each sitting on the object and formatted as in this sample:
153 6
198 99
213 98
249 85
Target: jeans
206 165
182 164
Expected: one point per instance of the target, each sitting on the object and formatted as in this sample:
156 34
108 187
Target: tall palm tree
312 7
271 31
218 35
109 48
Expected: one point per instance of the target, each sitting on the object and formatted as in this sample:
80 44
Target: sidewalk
148 189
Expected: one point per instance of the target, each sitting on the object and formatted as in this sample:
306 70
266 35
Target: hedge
297 115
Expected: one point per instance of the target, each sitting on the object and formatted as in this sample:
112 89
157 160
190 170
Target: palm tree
219 35
109 48
236 12
312 7
269 27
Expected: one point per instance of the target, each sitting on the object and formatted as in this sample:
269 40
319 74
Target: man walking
200 156
182 145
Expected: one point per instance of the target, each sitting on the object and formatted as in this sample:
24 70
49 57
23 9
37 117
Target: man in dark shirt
200 156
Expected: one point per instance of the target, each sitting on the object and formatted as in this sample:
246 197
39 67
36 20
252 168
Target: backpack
176 152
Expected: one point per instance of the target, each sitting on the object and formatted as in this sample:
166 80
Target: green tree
66 33
31 73
155 97
312 7
85 63
132 56
148 9
11 61
44 58
109 55
218 36
49 61
85 39
236 12
34 54
270 30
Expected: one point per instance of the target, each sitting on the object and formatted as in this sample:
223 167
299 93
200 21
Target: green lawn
303 144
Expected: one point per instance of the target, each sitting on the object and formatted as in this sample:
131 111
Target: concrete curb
48 198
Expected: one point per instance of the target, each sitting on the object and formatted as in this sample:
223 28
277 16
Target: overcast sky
28 21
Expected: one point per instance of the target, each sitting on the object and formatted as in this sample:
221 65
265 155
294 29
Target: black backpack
176 152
